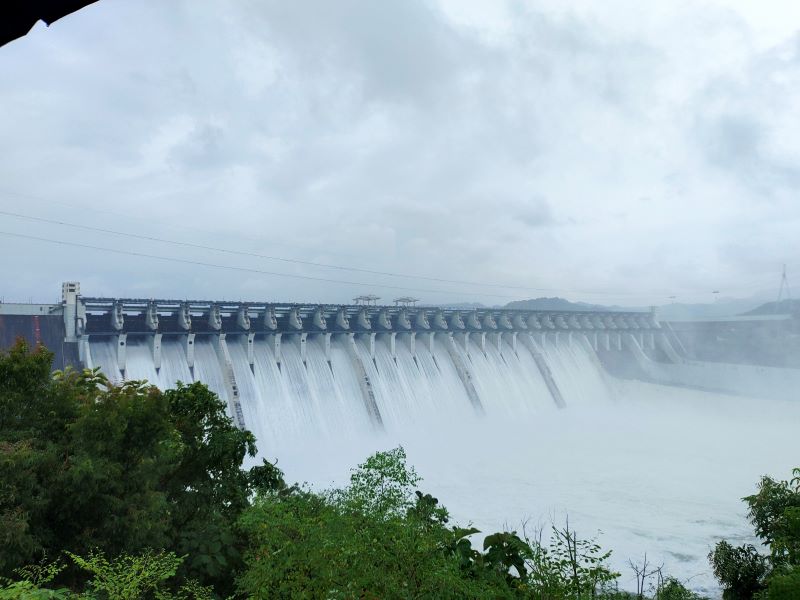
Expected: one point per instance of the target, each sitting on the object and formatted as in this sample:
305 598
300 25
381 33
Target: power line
127 216
305 262
237 268
302 262
264 272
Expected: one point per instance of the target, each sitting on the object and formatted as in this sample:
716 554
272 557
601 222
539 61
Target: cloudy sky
617 151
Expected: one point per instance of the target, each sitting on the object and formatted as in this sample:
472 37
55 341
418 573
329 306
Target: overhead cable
238 268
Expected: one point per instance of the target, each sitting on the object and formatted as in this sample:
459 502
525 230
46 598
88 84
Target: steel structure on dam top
86 317
112 316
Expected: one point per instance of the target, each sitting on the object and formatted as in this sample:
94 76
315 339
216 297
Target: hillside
668 312
784 307
554 304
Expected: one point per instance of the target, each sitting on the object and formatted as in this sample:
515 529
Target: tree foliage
766 507
741 570
672 589
375 538
126 577
88 466
380 538
774 511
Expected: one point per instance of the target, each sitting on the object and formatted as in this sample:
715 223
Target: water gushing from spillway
578 374
284 396
508 383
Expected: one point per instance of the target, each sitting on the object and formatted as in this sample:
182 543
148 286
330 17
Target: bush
375 538
124 578
672 589
782 586
741 570
774 512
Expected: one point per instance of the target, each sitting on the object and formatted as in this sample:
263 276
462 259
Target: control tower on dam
280 365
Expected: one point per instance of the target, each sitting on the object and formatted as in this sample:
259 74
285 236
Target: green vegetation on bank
129 492
743 571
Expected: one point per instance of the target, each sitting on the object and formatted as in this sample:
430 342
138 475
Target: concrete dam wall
38 324
295 367
284 369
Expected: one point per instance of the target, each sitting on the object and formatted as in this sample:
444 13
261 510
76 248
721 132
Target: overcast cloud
602 151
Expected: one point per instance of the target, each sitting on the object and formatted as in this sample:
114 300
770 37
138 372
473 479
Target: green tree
672 589
773 512
207 489
375 538
382 486
568 567
80 461
33 414
741 570
86 465
783 585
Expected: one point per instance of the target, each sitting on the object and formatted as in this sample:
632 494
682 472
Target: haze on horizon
620 154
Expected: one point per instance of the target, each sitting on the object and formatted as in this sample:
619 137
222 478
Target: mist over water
648 468
658 470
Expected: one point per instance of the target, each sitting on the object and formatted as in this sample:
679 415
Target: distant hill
724 307
554 304
464 305
784 307
668 312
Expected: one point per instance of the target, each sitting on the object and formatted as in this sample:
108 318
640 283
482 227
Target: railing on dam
110 316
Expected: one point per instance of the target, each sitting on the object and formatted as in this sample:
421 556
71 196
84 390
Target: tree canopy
87 466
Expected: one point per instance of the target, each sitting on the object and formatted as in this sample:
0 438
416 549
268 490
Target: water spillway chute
295 369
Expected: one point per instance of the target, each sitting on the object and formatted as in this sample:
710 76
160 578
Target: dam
289 369
292 368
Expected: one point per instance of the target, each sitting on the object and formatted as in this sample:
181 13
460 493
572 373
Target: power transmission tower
784 287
